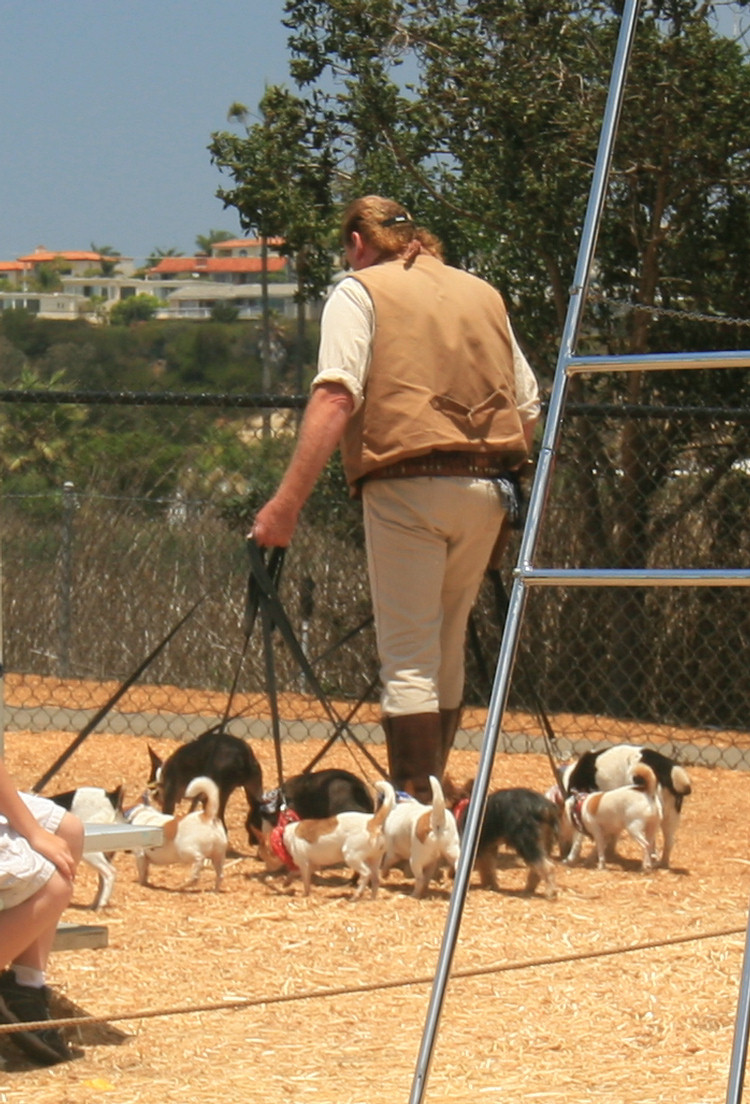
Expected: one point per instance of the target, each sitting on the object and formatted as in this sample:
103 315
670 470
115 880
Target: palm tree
157 254
108 258
205 242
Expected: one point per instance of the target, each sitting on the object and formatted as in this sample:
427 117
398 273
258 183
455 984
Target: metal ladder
527 575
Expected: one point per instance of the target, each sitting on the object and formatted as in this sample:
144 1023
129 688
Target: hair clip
396 220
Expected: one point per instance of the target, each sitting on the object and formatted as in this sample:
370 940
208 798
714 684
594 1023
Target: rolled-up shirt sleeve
346 332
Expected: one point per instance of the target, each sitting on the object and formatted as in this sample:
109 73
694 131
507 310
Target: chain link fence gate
97 571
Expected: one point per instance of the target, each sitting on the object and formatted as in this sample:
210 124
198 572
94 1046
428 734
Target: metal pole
63 658
2 668
741 1030
536 502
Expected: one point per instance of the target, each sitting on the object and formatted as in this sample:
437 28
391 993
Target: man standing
422 384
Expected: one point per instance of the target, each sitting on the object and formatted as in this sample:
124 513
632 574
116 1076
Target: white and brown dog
605 815
353 838
422 835
614 767
193 839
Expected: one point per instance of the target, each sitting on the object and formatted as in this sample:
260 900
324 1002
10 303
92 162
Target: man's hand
322 427
275 524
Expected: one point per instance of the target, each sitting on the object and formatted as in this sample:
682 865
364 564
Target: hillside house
188 287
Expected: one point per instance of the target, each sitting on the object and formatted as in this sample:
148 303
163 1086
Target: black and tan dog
227 760
312 795
523 820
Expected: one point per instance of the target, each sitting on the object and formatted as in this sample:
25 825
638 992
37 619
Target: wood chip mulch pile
222 997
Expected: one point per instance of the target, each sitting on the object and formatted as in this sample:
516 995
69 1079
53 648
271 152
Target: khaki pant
429 540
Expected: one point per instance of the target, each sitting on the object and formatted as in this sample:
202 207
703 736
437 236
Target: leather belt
480 465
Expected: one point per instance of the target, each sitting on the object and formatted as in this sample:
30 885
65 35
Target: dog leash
102 713
248 623
273 616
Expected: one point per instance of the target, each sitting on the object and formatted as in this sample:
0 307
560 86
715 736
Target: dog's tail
644 779
209 791
680 781
387 803
437 817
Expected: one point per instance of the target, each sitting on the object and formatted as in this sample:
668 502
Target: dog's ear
156 762
455 793
451 791
116 797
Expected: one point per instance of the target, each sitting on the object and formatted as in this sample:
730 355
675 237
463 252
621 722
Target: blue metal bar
654 362
498 697
633 577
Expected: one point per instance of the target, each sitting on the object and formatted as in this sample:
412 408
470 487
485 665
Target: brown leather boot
450 719
414 744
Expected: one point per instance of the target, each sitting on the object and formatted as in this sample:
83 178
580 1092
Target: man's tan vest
441 374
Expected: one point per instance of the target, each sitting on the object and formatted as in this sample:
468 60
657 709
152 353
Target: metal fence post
66 583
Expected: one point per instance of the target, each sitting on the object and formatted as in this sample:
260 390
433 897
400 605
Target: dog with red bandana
355 839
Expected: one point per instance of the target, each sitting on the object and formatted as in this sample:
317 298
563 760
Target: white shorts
24 871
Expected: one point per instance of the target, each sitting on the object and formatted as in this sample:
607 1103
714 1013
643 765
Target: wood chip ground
623 990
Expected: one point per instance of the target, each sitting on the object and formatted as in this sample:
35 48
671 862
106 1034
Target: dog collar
460 808
278 846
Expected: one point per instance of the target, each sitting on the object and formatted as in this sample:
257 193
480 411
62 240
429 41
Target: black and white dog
613 767
94 805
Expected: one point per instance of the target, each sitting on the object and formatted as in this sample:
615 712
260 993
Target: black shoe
22 1004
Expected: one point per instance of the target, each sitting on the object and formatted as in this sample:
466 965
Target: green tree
38 438
108 258
205 242
283 174
224 312
136 308
47 276
484 120
158 254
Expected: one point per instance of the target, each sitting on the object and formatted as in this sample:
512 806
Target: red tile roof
241 243
210 265
42 255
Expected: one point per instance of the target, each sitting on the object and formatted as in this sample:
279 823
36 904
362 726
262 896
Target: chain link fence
97 572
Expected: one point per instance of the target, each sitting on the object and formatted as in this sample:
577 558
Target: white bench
120 837
104 837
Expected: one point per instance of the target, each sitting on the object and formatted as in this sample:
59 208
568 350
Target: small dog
422 835
312 796
523 820
192 839
354 838
605 815
95 805
227 760
614 767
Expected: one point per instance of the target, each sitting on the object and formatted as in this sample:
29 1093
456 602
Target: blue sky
108 107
